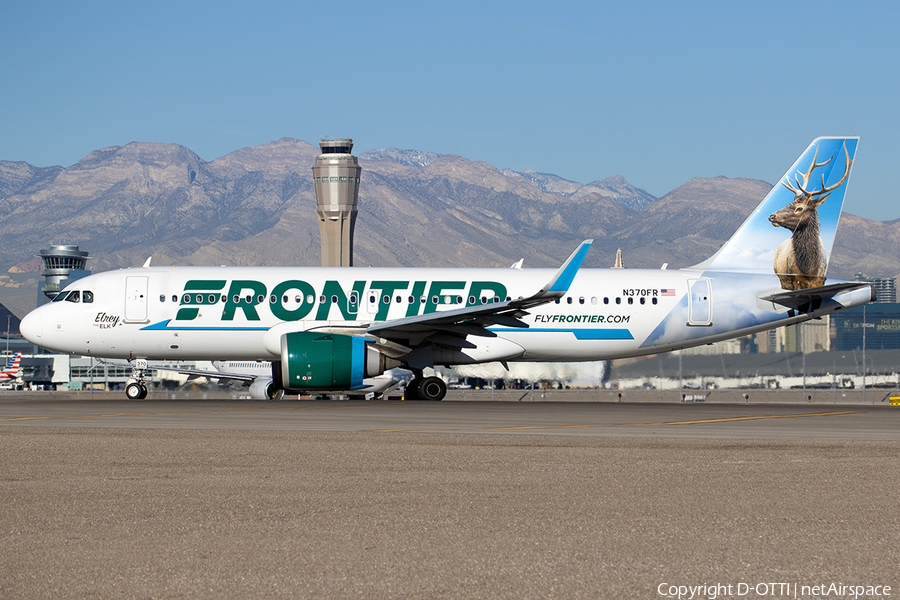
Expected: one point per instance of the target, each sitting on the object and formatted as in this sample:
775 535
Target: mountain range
256 206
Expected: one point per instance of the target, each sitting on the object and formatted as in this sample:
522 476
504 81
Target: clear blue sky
658 92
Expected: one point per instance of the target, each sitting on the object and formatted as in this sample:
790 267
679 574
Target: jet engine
265 389
329 361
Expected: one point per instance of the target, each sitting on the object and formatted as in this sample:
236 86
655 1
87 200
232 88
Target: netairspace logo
713 591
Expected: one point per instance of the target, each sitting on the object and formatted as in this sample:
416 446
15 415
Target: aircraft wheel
135 391
432 388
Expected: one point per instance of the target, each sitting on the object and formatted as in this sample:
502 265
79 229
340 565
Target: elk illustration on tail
801 260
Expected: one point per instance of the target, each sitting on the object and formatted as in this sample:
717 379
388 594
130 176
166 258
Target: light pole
8 317
864 353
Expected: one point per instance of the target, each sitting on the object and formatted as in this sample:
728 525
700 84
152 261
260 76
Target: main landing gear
426 388
137 389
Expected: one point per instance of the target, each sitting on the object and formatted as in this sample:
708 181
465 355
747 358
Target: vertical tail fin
11 371
792 231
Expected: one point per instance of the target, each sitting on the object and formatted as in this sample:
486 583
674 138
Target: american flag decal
667 292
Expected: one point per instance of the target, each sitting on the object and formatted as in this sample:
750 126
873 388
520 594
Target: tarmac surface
111 498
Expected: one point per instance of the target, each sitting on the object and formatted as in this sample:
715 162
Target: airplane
325 328
12 369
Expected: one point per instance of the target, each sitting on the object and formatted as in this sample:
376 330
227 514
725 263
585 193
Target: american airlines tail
11 371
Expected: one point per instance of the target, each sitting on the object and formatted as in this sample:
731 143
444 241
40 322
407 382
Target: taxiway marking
699 421
191 412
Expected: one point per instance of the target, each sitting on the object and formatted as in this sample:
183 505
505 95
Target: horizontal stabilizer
812 296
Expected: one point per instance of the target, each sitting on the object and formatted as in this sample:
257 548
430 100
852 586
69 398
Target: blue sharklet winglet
559 285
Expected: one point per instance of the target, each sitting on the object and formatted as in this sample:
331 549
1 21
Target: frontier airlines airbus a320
328 329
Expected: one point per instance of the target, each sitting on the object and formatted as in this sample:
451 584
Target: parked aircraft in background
12 369
325 329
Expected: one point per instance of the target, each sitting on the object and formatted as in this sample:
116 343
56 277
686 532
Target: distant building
8 321
619 263
885 287
880 321
62 264
806 337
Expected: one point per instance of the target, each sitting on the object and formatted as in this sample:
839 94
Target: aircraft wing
812 296
192 372
450 327
209 374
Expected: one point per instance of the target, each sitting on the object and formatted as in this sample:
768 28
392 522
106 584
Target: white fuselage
241 313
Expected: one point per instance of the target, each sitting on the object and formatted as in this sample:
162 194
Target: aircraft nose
30 327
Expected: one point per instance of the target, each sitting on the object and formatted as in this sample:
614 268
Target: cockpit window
74 296
87 297
60 296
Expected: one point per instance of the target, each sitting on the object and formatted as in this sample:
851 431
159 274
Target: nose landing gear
137 389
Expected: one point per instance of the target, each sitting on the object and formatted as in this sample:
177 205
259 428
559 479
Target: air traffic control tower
63 264
336 175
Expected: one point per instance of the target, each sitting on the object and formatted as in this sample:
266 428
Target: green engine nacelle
327 361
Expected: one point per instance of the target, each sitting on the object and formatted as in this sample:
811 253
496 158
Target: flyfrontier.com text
713 591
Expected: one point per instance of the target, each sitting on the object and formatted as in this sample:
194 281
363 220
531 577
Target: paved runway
211 499
702 421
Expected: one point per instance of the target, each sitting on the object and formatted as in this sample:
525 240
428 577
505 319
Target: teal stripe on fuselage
580 334
164 326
